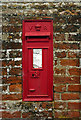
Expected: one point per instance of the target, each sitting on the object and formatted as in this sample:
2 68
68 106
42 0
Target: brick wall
67 70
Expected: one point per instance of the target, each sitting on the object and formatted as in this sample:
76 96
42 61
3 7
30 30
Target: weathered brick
11 45
4 54
74 19
18 63
67 46
55 62
14 20
14 36
4 63
4 71
71 28
12 79
15 71
59 105
56 96
68 80
76 37
61 71
46 113
67 114
67 28
70 96
10 114
74 105
4 88
59 19
13 29
59 37
13 63
60 88
26 114
76 88
69 62
46 105
12 97
72 54
15 54
2 106
60 54
15 88
75 71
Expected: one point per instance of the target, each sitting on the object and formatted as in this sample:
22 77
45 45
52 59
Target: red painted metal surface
37 81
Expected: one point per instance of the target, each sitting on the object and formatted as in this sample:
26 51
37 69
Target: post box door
38 63
38 72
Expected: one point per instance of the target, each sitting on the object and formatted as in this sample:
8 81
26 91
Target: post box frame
47 35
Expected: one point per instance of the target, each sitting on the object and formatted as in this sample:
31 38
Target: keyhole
32 75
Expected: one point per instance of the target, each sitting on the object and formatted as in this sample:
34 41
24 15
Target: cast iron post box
37 60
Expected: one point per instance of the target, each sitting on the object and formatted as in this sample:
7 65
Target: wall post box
37 60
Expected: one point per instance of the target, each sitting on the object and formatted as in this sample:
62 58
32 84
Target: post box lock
37 60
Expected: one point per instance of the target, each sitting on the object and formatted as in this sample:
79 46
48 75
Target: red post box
37 60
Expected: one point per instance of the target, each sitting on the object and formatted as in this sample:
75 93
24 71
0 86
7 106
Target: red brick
11 45
64 80
66 46
46 105
11 62
15 54
55 62
14 36
12 97
9 29
13 79
15 88
2 106
4 63
56 96
18 63
15 71
45 113
3 53
75 71
69 62
60 88
60 54
74 105
1 88
26 114
72 54
4 88
76 88
15 20
4 80
59 37
4 71
72 114
59 105
71 28
70 96
61 71
67 114
74 37
8 114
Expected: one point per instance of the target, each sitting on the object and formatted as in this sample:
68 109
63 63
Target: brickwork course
66 17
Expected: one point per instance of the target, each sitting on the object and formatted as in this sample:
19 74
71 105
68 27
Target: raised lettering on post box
37 60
